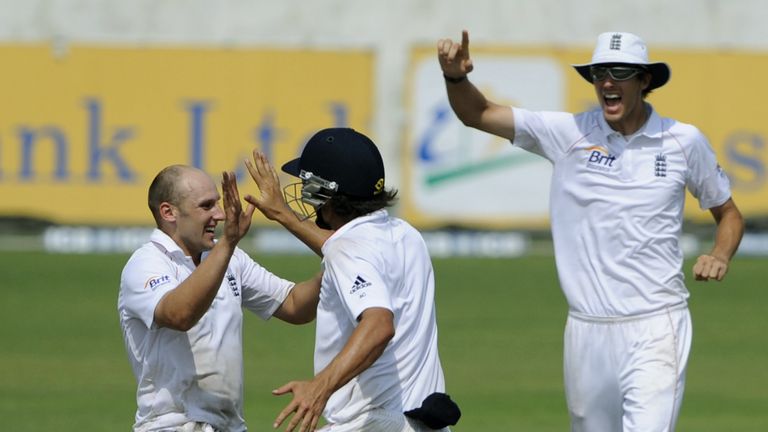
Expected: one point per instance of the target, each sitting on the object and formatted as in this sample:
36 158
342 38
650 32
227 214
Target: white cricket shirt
379 261
195 375
616 205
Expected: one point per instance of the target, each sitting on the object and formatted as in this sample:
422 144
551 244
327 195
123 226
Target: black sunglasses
617 73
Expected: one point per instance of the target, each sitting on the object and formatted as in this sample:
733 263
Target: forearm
467 102
475 111
363 348
300 307
305 230
365 345
183 306
730 229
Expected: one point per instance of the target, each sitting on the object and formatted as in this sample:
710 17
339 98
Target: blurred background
99 95
96 96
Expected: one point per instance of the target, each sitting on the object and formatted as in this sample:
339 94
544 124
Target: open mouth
611 99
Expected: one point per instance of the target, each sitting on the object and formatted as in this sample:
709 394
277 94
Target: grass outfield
63 366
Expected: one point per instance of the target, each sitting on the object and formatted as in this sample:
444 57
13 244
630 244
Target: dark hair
164 188
646 91
349 208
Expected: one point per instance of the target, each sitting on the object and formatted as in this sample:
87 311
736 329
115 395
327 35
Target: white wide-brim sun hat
625 48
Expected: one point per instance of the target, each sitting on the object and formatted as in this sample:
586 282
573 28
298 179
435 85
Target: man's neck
631 125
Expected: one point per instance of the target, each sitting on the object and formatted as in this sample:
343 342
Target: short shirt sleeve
706 179
146 278
356 276
263 292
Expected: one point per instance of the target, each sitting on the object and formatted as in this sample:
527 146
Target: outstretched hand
271 201
273 205
454 57
309 399
236 222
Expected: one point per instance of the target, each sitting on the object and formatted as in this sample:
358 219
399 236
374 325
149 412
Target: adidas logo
359 284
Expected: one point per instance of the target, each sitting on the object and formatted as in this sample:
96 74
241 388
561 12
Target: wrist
454 80
720 257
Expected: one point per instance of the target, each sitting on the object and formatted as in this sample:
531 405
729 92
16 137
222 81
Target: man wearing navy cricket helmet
377 366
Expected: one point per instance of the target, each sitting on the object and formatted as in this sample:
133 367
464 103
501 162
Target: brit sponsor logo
157 281
599 159
359 284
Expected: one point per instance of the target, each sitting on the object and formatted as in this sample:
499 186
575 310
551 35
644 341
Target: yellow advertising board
458 176
84 130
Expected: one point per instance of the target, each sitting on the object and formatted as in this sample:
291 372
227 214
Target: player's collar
164 241
377 215
651 129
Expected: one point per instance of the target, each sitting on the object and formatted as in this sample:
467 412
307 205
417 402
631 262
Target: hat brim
292 167
660 72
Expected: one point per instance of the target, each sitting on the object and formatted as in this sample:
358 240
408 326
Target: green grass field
63 366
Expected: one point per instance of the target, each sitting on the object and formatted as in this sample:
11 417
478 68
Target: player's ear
645 81
168 212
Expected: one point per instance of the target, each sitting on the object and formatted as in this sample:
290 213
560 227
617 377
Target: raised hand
271 201
236 222
454 57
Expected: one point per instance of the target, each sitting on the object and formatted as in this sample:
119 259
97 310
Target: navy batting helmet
338 161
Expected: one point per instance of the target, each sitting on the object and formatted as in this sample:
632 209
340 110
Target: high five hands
237 220
270 201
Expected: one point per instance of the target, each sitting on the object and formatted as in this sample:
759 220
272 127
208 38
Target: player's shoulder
239 255
404 226
151 257
241 261
147 264
570 124
681 128
146 253
687 136
365 235
589 119
351 239
550 115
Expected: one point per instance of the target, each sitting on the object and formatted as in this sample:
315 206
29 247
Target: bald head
170 185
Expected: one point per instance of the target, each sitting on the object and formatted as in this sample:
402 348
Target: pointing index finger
465 42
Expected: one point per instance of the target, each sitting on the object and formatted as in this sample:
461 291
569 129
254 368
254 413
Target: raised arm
271 203
469 104
182 307
730 229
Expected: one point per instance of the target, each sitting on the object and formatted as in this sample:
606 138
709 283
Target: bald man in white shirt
180 305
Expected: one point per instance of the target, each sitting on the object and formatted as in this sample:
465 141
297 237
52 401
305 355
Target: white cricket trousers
627 373
378 420
192 427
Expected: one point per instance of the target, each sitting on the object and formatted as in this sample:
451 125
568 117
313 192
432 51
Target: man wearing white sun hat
619 178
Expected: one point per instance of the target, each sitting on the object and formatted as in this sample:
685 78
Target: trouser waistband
618 319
